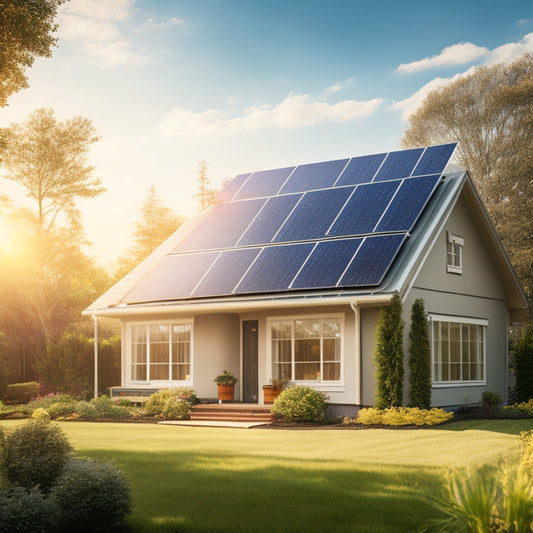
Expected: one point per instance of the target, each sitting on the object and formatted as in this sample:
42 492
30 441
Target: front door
249 361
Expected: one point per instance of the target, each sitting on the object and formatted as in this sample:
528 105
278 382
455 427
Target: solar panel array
336 224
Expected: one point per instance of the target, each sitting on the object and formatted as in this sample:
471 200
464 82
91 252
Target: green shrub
490 400
400 416
518 410
22 511
91 497
21 392
40 414
107 408
35 454
419 358
300 403
522 365
171 404
388 358
46 401
62 409
526 450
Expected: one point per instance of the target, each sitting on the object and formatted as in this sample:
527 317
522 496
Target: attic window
454 254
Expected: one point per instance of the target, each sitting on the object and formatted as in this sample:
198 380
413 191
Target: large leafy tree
490 113
155 224
48 158
26 32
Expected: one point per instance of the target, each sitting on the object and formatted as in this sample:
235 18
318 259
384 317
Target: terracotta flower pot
270 394
226 393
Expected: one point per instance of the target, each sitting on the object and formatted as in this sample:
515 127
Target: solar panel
274 268
264 183
372 260
326 264
223 226
226 272
231 188
408 204
269 220
399 164
173 278
325 226
314 176
364 209
434 159
313 215
360 170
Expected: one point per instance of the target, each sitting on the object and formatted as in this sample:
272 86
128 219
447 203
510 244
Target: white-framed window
160 352
307 348
458 350
454 253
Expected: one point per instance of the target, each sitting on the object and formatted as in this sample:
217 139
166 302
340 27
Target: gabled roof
327 230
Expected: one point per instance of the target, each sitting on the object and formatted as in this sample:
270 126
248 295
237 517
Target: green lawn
236 480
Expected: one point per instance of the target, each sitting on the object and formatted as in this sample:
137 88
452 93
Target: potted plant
273 390
226 386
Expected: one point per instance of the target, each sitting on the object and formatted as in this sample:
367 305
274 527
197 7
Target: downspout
358 359
95 320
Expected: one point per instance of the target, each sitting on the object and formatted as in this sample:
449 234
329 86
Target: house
285 275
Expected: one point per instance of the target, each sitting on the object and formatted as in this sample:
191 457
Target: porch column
358 369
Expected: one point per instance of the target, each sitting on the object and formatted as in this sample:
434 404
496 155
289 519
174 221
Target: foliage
388 358
22 511
204 192
21 392
27 30
40 414
491 400
68 365
400 416
49 159
490 113
486 500
156 223
526 450
101 407
226 378
35 454
419 358
518 410
171 404
91 497
4 366
299 404
522 365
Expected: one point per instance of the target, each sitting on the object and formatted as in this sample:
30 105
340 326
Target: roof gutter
126 311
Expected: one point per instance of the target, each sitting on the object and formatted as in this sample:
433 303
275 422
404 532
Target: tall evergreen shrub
523 365
419 358
389 356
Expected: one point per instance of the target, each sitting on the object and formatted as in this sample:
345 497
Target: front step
232 413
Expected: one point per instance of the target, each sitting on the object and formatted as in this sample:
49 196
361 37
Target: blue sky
248 85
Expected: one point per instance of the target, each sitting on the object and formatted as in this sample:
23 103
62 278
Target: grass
232 480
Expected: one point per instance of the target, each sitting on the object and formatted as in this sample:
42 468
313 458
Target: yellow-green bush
400 416
40 414
526 450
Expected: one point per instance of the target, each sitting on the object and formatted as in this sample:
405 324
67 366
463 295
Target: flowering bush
518 410
171 404
300 403
400 416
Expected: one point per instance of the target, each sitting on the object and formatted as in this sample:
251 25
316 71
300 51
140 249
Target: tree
49 159
490 113
419 358
156 223
522 364
389 355
204 192
26 29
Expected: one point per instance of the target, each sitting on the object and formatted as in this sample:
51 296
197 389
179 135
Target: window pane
159 352
138 372
158 333
307 350
281 351
304 329
282 371
181 372
307 371
332 372
331 329
138 353
332 349
281 330
158 372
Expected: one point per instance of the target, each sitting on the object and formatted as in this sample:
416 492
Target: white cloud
172 22
295 111
502 54
339 86
456 54
95 25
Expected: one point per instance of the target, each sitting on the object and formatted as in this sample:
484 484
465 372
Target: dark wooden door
249 361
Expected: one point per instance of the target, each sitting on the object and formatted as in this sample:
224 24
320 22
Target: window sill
451 384
324 386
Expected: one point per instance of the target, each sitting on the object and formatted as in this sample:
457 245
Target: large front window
306 349
458 349
161 352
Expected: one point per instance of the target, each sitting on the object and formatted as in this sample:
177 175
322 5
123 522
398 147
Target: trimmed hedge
21 392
